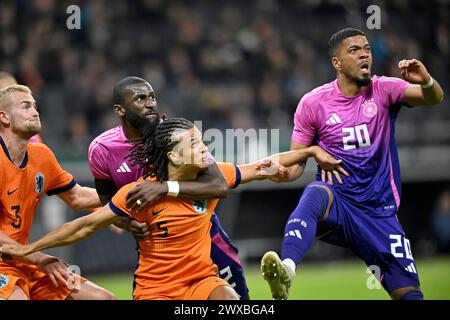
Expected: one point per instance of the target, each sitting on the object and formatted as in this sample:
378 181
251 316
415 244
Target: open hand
57 271
329 166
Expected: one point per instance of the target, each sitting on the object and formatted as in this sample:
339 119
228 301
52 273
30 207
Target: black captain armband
105 187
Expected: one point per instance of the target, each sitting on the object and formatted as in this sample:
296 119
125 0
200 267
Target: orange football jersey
178 249
21 188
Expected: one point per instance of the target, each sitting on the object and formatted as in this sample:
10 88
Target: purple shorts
380 242
225 255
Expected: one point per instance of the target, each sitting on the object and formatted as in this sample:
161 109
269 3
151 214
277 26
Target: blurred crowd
230 63
440 222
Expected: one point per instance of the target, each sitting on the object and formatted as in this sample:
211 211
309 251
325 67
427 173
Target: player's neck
17 147
130 131
180 173
348 86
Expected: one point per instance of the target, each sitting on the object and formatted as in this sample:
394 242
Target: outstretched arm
276 167
425 90
210 184
279 165
70 232
34 258
295 169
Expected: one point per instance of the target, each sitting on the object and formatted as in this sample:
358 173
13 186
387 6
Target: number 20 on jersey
356 137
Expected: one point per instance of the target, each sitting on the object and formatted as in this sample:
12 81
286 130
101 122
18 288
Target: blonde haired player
28 172
7 79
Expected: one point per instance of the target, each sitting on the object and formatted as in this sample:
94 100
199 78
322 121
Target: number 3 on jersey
362 137
18 221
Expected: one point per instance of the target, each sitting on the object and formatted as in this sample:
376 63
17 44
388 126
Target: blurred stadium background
233 64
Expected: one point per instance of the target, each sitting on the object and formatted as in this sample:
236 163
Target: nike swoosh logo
11 192
154 213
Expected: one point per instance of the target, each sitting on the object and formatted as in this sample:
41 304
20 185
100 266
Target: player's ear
119 110
336 63
4 118
174 158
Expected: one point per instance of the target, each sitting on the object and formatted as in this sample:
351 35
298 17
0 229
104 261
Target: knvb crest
39 183
200 206
3 281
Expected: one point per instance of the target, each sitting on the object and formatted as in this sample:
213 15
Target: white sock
290 267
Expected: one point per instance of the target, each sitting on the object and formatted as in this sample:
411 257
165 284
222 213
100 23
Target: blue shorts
225 255
380 242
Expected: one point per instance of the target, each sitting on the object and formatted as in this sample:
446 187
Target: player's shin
301 227
299 235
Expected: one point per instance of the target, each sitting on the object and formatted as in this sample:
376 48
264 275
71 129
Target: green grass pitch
332 280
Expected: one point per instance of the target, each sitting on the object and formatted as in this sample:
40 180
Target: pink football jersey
107 161
360 131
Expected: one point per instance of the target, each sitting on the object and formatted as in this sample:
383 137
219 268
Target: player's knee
17 294
412 295
223 293
230 294
106 295
317 184
317 196
96 294
320 189
407 293
90 291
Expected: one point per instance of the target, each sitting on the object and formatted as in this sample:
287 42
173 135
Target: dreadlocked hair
151 151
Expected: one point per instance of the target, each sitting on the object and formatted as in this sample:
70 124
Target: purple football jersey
107 161
360 131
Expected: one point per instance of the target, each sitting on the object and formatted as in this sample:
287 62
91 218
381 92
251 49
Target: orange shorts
196 290
34 283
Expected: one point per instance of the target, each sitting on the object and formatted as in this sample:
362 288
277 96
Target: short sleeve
98 161
231 173
303 131
118 203
394 88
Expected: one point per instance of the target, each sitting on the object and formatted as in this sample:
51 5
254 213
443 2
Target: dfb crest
39 183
